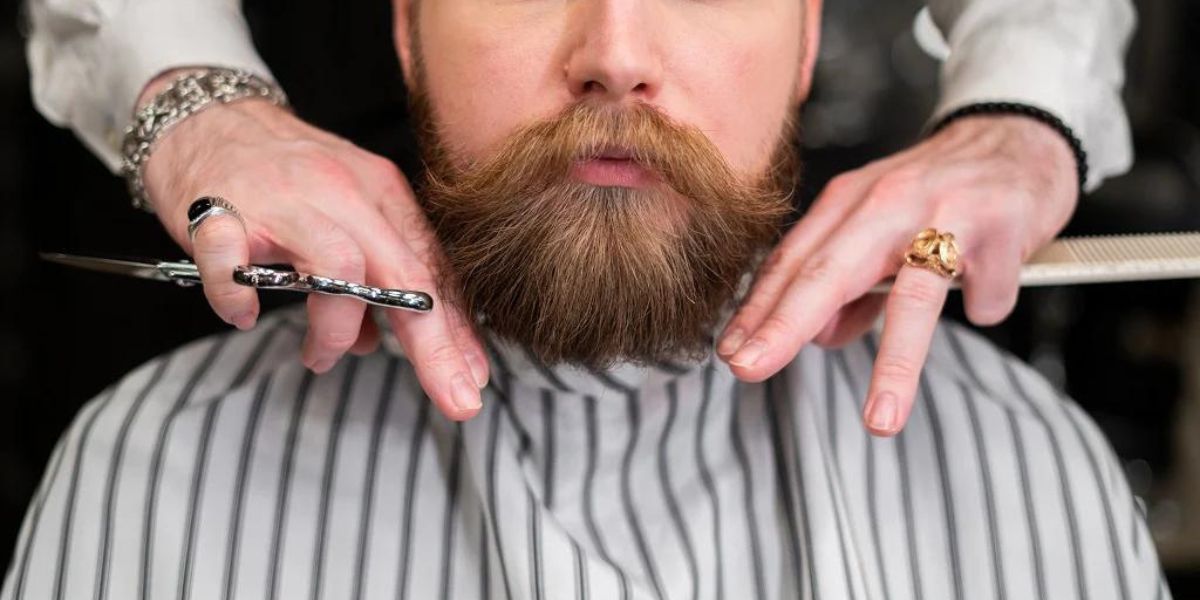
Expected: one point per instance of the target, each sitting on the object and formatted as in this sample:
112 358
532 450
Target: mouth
613 167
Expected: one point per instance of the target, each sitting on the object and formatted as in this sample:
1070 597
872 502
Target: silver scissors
185 273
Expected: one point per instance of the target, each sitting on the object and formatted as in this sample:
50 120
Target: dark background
1124 351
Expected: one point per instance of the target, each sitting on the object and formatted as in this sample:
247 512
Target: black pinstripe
416 443
1064 485
706 478
664 477
331 455
285 480
249 436
149 519
367 512
453 484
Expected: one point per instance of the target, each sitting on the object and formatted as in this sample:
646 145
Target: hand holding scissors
311 199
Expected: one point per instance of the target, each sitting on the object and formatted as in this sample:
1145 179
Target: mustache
539 156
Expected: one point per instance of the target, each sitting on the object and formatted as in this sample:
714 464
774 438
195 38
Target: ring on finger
935 251
206 207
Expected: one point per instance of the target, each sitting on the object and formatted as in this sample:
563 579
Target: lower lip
612 172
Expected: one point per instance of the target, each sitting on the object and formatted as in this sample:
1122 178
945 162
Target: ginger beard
591 275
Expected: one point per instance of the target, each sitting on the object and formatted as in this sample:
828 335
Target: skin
326 206
1003 185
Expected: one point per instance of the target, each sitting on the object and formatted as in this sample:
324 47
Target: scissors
186 274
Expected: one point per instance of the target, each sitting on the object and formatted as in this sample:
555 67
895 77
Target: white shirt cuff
1040 66
128 50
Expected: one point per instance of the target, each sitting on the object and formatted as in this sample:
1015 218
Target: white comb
1108 258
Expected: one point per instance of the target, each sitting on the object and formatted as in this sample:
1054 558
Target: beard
589 275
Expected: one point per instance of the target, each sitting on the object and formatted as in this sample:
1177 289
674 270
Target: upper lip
614 154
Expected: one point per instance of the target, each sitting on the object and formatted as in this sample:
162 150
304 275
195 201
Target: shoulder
238 373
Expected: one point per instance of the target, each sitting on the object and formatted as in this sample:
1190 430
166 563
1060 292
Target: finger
368 338
991 286
428 339
321 246
865 252
439 363
414 228
827 212
911 315
218 248
851 321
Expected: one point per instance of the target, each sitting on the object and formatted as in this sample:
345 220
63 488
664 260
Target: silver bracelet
187 95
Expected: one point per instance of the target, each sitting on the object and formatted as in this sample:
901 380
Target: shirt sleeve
1063 56
90 59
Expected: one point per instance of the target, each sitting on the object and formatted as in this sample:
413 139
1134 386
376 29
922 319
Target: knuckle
383 170
443 354
920 293
330 169
895 186
755 304
223 296
415 228
348 259
338 340
342 255
841 185
774 263
217 236
896 368
823 273
778 324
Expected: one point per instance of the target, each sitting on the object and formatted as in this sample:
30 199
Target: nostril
593 86
641 87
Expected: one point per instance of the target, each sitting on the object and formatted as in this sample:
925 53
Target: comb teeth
1115 258
1122 248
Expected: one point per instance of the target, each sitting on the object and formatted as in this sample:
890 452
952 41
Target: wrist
187 92
1047 131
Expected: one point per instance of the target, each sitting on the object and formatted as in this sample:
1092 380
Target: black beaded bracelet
985 108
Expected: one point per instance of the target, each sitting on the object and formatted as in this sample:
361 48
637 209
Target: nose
613 53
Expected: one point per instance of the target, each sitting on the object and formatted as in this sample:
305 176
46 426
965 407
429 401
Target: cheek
739 85
484 86
741 95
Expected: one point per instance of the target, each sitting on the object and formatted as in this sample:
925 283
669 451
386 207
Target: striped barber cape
225 470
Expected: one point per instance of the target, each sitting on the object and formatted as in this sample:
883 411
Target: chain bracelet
187 95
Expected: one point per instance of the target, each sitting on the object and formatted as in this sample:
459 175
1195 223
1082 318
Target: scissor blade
132 268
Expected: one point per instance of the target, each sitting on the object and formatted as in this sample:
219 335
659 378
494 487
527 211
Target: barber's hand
318 202
1003 185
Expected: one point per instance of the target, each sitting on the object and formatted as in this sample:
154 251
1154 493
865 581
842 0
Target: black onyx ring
207 207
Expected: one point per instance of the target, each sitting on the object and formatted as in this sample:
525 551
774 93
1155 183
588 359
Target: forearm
91 60
1063 56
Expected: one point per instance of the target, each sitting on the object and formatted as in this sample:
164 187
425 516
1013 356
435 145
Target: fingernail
749 354
731 342
882 416
323 365
465 394
478 370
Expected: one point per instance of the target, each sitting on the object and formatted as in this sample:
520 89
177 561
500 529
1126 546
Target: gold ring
934 251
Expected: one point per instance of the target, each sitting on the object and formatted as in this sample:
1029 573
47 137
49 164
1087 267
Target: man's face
603 170
735 69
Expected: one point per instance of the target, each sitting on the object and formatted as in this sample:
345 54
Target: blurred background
1128 353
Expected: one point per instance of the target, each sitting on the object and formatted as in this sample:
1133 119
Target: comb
1108 258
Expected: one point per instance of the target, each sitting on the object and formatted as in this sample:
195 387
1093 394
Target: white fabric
89 59
1063 56
226 470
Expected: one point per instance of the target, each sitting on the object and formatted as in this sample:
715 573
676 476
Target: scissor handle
282 279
